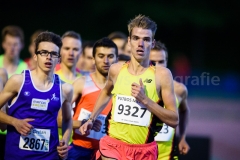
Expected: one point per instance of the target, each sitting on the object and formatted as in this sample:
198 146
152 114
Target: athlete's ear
35 57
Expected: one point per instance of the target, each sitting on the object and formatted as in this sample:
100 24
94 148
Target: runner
34 102
137 92
166 139
67 71
86 90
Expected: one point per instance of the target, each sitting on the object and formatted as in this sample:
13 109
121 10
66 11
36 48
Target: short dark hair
105 42
161 46
117 35
123 57
72 34
87 44
14 31
48 37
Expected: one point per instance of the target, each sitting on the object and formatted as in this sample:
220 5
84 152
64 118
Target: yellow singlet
129 120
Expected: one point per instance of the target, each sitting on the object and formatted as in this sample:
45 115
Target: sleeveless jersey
130 121
83 111
58 71
166 140
43 107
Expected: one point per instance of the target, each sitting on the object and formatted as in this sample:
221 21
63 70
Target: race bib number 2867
37 140
129 110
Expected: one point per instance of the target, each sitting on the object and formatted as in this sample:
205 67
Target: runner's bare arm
67 91
78 85
183 120
105 94
22 126
77 91
103 98
169 114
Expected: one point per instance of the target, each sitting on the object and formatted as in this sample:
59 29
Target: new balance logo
147 80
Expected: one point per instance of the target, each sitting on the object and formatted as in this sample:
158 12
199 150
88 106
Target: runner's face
104 58
70 51
12 46
88 59
47 63
158 57
141 43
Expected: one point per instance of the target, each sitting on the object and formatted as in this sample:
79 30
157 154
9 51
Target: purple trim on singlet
44 119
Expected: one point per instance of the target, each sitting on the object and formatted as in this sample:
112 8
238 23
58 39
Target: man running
166 139
34 102
135 88
86 91
67 71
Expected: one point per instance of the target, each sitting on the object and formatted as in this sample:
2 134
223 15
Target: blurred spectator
86 62
12 43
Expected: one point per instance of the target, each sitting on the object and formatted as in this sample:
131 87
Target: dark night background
206 32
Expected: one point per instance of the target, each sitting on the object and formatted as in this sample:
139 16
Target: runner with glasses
45 53
34 102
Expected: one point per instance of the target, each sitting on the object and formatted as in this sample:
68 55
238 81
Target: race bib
165 134
37 140
85 115
129 110
39 104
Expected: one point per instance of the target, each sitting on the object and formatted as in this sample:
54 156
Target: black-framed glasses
45 53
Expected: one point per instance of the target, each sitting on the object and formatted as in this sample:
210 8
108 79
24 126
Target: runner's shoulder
67 88
180 89
79 81
163 70
115 68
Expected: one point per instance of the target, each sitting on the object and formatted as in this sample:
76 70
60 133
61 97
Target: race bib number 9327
129 110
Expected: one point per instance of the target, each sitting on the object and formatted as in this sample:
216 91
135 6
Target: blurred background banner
202 41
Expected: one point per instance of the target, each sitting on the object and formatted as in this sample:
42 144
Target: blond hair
142 21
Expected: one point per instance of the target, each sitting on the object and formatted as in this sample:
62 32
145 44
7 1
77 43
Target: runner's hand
22 126
183 147
85 128
138 91
62 149
97 125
